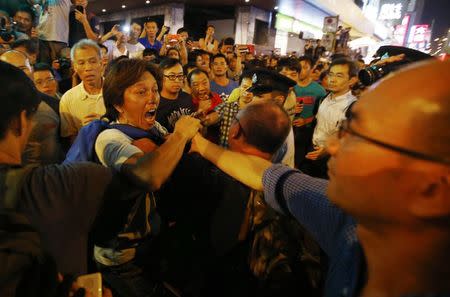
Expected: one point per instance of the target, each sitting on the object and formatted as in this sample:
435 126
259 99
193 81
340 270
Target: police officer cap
266 81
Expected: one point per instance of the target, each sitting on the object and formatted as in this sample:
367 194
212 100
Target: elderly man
83 103
385 222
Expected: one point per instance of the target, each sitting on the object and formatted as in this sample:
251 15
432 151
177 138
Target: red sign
419 33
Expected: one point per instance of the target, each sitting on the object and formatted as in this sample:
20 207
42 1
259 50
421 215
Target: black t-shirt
169 111
66 202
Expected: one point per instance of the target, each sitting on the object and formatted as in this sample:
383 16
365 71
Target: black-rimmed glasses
345 128
174 77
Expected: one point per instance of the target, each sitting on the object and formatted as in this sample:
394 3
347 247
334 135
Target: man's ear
235 131
353 80
432 199
19 124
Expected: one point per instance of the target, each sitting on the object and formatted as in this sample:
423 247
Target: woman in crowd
131 98
208 43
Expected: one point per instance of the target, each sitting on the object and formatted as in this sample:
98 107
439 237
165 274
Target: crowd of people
176 167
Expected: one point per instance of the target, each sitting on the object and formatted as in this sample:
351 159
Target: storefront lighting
124 6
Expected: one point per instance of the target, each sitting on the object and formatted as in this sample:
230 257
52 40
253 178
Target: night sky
439 10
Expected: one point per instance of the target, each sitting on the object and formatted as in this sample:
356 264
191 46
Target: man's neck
340 93
221 80
403 262
132 41
94 88
151 40
169 95
9 151
305 82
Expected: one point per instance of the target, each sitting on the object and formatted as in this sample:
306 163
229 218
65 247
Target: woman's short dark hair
18 94
121 76
247 74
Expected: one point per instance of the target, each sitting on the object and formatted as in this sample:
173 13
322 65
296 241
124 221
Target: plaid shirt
227 113
288 191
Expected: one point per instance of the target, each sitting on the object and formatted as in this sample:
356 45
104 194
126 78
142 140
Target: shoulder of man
72 93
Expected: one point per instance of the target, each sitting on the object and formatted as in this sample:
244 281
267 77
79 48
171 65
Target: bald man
384 217
18 59
44 145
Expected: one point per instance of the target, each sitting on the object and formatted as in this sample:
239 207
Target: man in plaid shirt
227 111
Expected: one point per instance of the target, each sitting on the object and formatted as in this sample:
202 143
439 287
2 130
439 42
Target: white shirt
330 115
135 50
114 147
289 157
54 21
113 51
76 104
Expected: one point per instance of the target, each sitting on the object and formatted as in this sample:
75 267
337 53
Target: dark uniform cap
266 81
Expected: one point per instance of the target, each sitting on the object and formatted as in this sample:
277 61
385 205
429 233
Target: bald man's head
411 109
266 125
18 59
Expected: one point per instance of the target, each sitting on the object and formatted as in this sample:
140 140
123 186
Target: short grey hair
84 44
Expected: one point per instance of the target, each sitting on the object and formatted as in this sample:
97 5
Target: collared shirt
330 115
227 113
290 191
76 104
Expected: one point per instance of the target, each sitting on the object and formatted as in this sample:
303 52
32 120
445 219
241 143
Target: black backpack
26 270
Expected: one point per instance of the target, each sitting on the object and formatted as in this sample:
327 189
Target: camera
373 73
64 63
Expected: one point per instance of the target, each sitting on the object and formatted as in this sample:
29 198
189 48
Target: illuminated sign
391 11
400 30
330 24
284 22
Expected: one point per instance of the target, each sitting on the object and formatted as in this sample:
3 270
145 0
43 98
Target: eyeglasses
345 128
174 77
240 126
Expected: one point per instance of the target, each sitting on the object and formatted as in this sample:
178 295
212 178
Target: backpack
83 148
26 270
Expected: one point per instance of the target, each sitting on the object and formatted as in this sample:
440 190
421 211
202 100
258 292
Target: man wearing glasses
343 74
45 81
383 217
173 103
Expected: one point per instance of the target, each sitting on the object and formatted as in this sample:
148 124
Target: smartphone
92 283
79 8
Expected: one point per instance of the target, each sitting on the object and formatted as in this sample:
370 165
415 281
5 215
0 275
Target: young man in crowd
226 112
83 103
342 75
307 93
221 84
25 19
173 102
150 40
45 81
386 208
134 47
